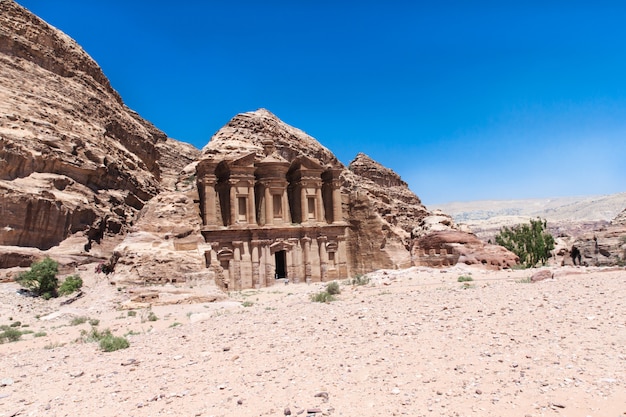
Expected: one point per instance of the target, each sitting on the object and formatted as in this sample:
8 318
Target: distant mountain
571 216
573 209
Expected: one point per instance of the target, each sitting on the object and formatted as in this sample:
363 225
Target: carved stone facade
266 218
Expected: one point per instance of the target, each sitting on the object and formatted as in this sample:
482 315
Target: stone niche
267 219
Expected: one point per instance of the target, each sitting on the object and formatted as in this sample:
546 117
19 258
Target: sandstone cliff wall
73 157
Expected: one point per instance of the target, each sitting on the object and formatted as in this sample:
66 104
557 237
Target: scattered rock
541 275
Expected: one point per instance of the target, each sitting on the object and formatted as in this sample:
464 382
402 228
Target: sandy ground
414 342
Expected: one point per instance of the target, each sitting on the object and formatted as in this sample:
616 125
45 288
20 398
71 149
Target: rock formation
73 157
76 165
385 219
447 248
603 247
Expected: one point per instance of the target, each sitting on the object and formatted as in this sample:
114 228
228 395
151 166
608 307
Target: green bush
10 334
152 316
530 242
333 288
107 341
78 320
111 343
41 279
323 297
464 278
360 280
71 284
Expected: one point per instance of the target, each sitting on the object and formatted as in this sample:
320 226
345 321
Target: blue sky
466 100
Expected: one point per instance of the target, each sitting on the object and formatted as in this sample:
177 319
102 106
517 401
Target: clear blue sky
465 100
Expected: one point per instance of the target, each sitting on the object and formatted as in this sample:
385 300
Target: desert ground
415 342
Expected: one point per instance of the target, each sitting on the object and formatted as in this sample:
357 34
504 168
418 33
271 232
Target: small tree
530 242
41 279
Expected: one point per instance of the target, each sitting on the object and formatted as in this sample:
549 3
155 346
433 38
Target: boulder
541 275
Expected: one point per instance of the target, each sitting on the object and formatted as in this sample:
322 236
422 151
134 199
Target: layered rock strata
73 157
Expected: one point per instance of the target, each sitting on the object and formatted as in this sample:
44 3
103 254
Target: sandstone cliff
73 157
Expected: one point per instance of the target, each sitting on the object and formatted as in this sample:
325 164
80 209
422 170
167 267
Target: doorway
281 264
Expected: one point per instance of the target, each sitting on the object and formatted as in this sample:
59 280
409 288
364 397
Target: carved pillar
304 207
233 202
319 211
237 264
269 206
250 215
337 212
210 201
321 243
269 265
342 257
306 255
286 211
255 263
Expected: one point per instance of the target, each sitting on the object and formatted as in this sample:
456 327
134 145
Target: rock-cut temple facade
266 218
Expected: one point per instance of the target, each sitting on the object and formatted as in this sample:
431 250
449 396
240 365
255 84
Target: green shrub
41 279
107 341
333 288
78 320
530 242
94 322
110 343
247 304
16 324
360 280
323 297
131 313
10 334
40 334
464 278
152 316
71 284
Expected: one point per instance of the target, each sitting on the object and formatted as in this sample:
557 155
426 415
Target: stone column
269 205
337 212
319 212
255 263
236 279
251 211
341 257
233 202
286 212
304 207
210 201
306 255
269 266
321 243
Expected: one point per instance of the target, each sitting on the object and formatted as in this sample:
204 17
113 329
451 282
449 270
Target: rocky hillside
73 157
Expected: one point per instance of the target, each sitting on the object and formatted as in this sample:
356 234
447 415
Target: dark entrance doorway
281 264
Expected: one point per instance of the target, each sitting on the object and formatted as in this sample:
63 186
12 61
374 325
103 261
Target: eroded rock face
382 214
73 157
620 220
446 248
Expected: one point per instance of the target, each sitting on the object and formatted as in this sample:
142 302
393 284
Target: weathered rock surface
73 157
541 275
165 245
446 248
382 213
620 220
